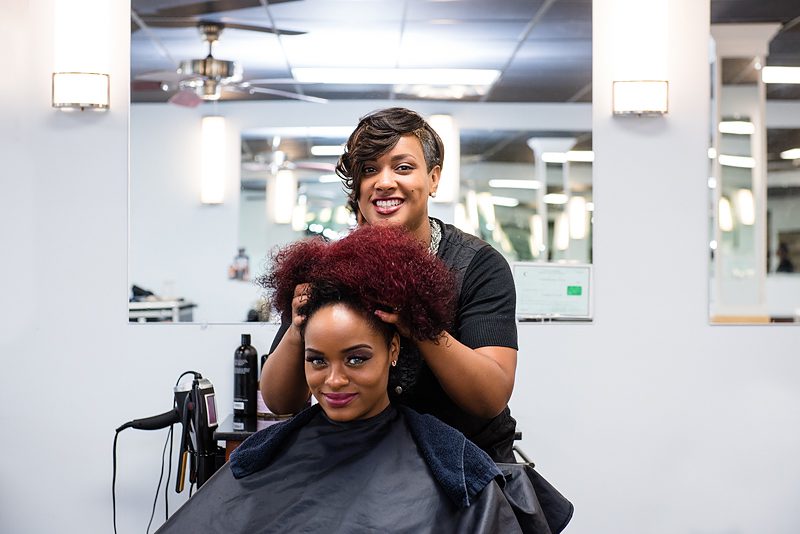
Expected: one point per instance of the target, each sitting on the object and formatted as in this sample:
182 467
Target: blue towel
459 466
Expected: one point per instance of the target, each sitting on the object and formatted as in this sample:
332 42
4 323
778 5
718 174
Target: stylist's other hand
301 292
393 318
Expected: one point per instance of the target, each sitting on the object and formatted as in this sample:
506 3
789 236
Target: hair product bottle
262 410
245 379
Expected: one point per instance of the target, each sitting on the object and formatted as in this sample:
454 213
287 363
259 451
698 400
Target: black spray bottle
245 379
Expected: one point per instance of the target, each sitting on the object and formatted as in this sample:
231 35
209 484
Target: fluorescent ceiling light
555 198
505 201
329 178
384 76
327 150
586 156
793 153
554 157
737 127
780 74
515 184
744 162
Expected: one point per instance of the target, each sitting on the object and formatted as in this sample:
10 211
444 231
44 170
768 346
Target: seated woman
354 462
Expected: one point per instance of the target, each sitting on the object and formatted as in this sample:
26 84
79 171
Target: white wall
650 421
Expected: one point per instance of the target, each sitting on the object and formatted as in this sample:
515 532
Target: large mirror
754 180
523 133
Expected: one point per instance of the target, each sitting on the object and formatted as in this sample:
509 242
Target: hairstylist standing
391 165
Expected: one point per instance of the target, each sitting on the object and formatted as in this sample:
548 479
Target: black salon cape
312 475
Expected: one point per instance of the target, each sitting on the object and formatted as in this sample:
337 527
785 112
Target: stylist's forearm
480 381
283 381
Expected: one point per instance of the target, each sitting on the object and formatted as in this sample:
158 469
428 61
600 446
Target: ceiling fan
198 80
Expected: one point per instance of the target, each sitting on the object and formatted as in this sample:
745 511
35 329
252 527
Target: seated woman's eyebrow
358 346
347 349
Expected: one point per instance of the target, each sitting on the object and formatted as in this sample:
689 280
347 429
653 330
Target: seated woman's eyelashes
351 360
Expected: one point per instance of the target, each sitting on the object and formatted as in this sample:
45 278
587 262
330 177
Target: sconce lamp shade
283 196
641 97
80 90
212 160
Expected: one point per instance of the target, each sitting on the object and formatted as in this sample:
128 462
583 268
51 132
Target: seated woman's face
347 363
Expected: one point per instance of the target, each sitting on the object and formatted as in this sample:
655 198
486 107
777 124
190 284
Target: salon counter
234 429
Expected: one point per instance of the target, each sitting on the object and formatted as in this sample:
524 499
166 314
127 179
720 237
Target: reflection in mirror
524 183
754 179
527 211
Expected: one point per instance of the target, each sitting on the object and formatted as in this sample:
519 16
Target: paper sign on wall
553 291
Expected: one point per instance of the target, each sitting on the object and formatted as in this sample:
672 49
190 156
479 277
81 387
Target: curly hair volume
375 267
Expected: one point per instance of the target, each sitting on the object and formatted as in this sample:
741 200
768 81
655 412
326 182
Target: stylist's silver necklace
436 236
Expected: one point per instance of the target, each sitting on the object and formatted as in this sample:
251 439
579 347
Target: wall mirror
754 178
524 132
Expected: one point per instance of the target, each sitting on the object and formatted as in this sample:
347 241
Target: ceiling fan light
212 68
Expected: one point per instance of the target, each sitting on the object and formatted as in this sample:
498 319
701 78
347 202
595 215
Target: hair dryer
195 408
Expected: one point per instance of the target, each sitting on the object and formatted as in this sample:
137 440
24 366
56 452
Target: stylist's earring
433 194
394 363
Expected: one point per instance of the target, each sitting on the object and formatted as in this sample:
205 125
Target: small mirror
753 175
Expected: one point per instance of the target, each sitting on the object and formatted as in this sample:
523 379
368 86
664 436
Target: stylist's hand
394 319
300 297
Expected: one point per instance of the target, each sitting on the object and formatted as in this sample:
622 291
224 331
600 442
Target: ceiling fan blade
315 166
274 81
209 8
287 94
192 22
264 29
158 76
185 98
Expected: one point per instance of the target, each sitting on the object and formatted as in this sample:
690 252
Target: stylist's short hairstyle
375 135
375 267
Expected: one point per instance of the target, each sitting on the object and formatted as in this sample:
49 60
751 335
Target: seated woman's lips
339 400
387 206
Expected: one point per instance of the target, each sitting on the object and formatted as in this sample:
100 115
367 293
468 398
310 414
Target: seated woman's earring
433 193
394 363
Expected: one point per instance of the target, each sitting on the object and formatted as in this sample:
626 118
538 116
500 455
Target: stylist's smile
339 400
385 206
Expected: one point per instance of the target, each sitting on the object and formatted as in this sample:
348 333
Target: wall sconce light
80 90
81 60
561 231
645 98
212 160
745 206
725 215
576 208
283 197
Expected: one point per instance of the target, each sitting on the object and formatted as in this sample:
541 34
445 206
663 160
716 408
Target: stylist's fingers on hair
300 297
393 318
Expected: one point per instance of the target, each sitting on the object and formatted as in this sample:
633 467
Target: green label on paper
574 290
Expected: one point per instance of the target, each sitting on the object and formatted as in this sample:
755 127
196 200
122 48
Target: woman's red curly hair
375 267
